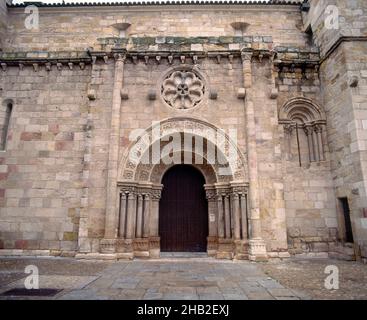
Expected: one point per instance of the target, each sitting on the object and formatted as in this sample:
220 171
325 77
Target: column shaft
236 216
321 145
154 213
146 216
139 217
251 148
227 217
310 145
315 145
122 215
220 216
243 203
131 216
111 226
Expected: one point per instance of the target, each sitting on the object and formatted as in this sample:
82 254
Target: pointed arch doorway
183 211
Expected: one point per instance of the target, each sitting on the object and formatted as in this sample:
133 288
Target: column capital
288 128
120 57
127 189
317 128
211 194
238 188
156 194
246 56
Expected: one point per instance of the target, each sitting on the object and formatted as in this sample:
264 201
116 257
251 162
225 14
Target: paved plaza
182 278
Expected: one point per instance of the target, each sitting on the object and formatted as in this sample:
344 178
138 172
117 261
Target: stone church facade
93 94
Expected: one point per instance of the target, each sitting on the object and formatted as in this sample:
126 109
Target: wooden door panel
183 211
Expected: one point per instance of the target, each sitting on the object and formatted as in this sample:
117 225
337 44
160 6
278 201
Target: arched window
304 124
5 115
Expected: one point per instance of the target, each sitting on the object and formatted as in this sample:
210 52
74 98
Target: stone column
146 215
236 216
212 211
315 144
257 248
318 130
308 132
111 226
123 207
220 216
243 202
139 217
288 139
154 240
212 239
227 216
131 216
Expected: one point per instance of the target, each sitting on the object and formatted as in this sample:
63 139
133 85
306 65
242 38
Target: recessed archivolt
137 166
301 110
208 171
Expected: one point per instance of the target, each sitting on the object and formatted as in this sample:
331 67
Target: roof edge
62 4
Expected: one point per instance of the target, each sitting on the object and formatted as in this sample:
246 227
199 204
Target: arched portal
135 222
183 211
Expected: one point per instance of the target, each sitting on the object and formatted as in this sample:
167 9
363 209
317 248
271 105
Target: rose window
183 89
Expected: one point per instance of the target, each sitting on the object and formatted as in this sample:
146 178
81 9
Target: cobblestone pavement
182 278
308 276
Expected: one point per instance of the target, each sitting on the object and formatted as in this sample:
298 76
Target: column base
124 246
107 246
257 250
212 246
225 249
141 247
241 249
154 247
125 255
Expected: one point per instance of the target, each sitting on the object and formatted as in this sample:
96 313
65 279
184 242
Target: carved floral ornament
183 89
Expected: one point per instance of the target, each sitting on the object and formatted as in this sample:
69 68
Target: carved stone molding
130 168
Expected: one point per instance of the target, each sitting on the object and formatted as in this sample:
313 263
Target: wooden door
183 211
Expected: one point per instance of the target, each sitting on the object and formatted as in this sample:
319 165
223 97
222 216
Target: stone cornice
339 42
173 5
160 49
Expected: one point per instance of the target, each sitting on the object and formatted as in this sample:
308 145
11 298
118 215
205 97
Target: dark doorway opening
183 211
347 221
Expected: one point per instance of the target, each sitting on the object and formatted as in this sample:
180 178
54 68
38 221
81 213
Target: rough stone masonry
75 87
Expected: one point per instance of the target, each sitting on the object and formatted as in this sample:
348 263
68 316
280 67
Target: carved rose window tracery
183 89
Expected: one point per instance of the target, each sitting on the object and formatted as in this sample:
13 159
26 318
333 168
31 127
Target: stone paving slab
57 282
306 277
165 279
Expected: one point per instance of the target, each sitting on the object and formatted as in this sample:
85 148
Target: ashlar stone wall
343 90
41 168
54 171
3 22
88 24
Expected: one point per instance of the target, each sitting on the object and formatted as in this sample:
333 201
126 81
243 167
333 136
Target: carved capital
120 57
211 194
156 194
318 128
238 190
128 190
246 56
288 128
308 130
